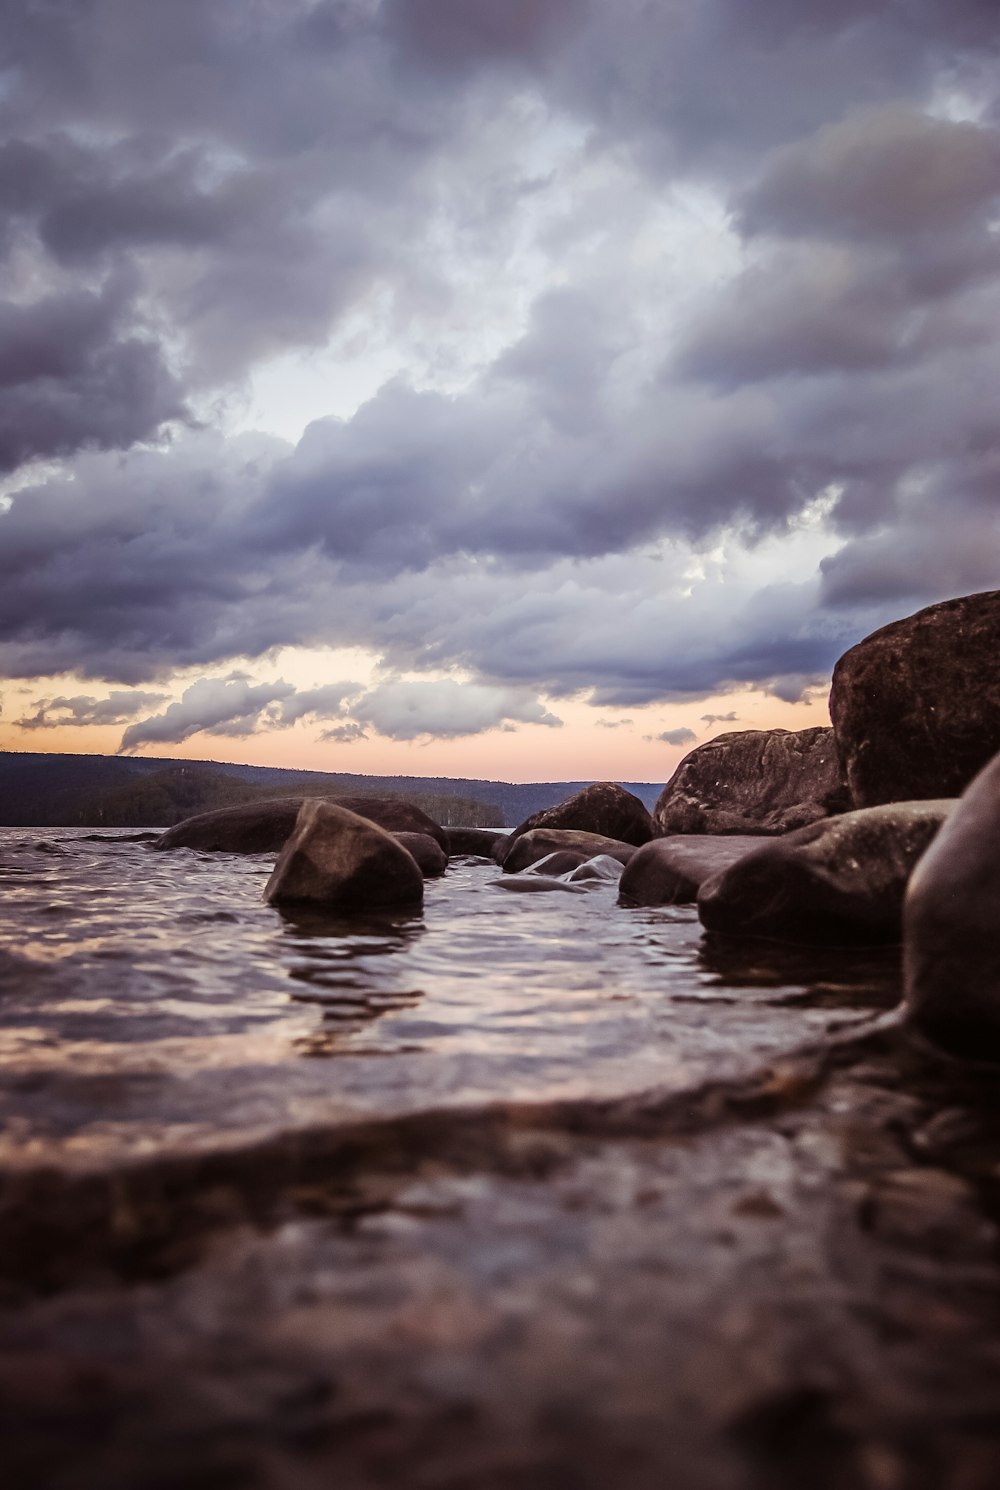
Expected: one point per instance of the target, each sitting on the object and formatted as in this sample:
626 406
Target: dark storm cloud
189 190
72 374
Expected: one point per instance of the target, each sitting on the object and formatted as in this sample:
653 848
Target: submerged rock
533 884
669 871
604 808
951 927
754 781
430 856
560 862
336 858
262 827
538 842
838 881
601 869
916 705
478 842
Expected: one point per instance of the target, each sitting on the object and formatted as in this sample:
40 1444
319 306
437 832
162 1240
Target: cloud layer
687 314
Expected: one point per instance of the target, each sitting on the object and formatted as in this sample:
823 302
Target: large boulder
838 881
336 858
916 705
262 827
539 842
951 927
670 871
756 781
603 808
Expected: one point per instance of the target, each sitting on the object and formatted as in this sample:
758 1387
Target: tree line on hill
40 790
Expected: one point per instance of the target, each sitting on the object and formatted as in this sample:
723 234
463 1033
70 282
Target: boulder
835 882
539 842
336 858
603 808
951 927
430 856
669 871
262 827
478 842
916 705
755 781
561 862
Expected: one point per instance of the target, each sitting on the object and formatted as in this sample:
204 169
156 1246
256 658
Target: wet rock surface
603 808
754 781
916 705
670 871
480 843
839 881
615 1205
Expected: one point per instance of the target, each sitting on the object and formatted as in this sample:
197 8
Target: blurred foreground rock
951 927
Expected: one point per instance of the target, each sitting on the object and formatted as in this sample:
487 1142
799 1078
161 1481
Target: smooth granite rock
841 881
430 856
754 781
916 705
561 862
951 927
336 858
262 827
669 871
539 842
477 842
534 884
603 808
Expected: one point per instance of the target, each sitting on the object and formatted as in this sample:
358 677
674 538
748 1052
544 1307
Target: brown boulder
262 827
754 781
478 842
336 858
669 871
539 842
916 705
951 946
603 808
840 881
430 856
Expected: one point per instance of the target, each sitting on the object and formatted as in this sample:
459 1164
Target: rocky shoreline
784 1272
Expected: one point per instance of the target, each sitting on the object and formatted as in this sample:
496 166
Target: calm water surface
151 1000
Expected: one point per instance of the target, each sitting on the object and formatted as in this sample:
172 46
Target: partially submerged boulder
951 927
430 856
539 842
834 882
754 781
670 871
478 842
336 858
916 705
262 827
603 808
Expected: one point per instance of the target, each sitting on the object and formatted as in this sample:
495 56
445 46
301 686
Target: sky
525 389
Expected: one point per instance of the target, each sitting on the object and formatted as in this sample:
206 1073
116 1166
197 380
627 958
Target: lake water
151 1002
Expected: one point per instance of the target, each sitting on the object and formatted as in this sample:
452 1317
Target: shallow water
151 1002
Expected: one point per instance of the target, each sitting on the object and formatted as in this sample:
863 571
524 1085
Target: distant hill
42 791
